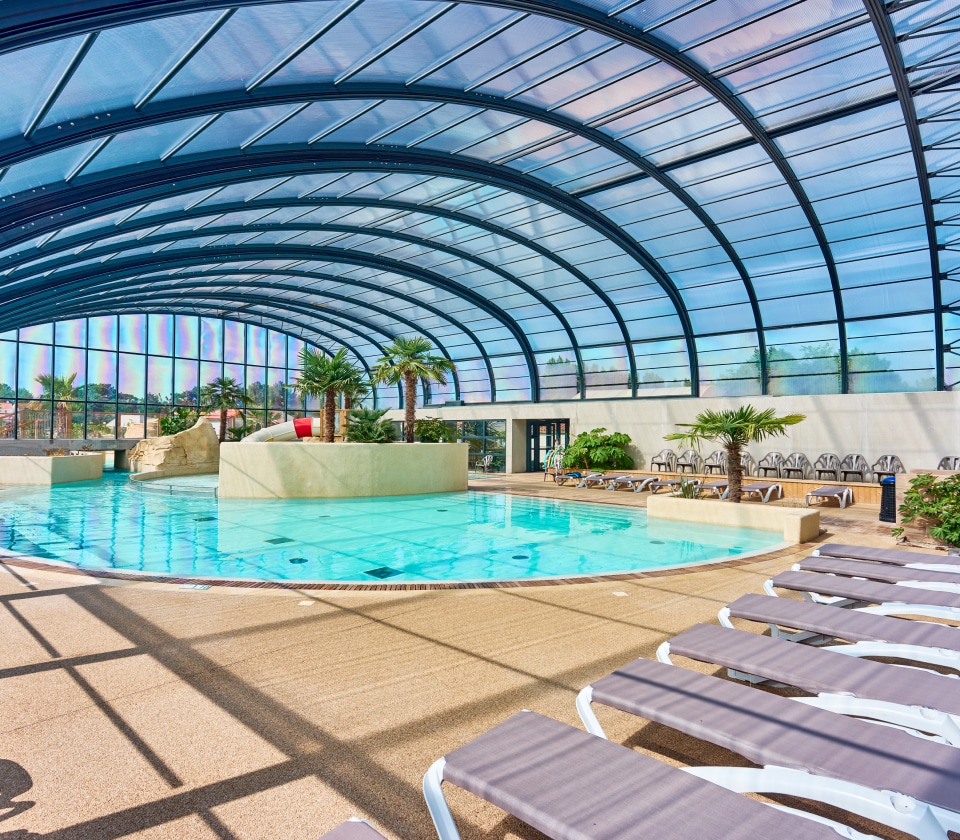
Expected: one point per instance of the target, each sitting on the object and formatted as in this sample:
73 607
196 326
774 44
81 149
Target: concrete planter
46 470
340 470
797 524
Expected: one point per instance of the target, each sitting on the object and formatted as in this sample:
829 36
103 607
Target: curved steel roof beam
52 138
205 209
89 274
76 292
375 233
33 217
891 52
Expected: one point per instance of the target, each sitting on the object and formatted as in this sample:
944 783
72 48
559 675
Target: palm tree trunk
329 405
223 425
734 474
409 404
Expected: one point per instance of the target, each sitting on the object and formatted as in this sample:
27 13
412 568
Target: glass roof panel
124 63
232 129
50 169
27 77
144 145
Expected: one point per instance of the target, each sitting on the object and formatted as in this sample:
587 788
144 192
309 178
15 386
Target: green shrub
366 425
433 430
936 502
178 420
596 450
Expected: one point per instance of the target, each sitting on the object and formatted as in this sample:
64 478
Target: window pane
211 339
133 383
35 361
160 335
256 345
277 349
70 369
101 374
233 342
186 337
133 330
159 379
185 387
72 333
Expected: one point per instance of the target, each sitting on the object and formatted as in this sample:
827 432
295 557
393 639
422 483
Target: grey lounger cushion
883 572
849 625
772 730
816 671
353 830
885 555
867 591
571 785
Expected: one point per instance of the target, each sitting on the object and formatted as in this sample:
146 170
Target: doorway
542 436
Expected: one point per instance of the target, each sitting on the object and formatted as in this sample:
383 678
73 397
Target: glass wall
118 375
487 438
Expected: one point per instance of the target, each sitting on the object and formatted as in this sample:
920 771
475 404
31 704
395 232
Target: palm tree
734 429
406 360
59 389
222 395
328 376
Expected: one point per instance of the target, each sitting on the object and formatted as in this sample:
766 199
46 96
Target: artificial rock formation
193 451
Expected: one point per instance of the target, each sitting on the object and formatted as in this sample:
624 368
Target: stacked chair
867 737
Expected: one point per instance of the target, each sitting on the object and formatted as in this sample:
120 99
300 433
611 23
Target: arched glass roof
606 198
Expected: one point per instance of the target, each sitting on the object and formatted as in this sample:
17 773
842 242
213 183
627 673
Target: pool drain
298 560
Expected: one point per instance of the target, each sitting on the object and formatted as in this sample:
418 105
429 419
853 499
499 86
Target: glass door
542 436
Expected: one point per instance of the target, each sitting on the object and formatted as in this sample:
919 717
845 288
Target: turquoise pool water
466 536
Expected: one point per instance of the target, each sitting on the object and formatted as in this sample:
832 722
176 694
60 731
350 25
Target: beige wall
921 428
340 470
43 470
797 525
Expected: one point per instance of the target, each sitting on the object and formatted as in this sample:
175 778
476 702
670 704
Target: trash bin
888 499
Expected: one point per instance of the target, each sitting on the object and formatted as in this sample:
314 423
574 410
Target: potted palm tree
222 395
733 430
328 376
405 360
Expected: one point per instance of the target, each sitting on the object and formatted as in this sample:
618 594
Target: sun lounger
637 483
919 700
763 490
599 479
672 484
777 732
868 595
717 488
895 556
882 572
353 829
572 786
844 495
866 634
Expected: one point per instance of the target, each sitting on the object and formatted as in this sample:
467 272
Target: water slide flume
291 430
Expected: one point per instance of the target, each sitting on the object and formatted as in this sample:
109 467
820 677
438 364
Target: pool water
468 536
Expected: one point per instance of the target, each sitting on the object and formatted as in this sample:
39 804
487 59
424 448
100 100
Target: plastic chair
690 459
666 461
887 465
716 460
854 465
828 465
747 464
949 462
770 463
797 466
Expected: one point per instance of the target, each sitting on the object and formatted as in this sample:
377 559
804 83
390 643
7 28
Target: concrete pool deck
144 710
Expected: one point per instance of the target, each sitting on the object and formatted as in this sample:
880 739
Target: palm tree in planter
222 395
327 376
406 360
733 430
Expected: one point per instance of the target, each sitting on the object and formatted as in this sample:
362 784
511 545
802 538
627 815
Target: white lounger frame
888 608
931 656
917 583
917 720
904 813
